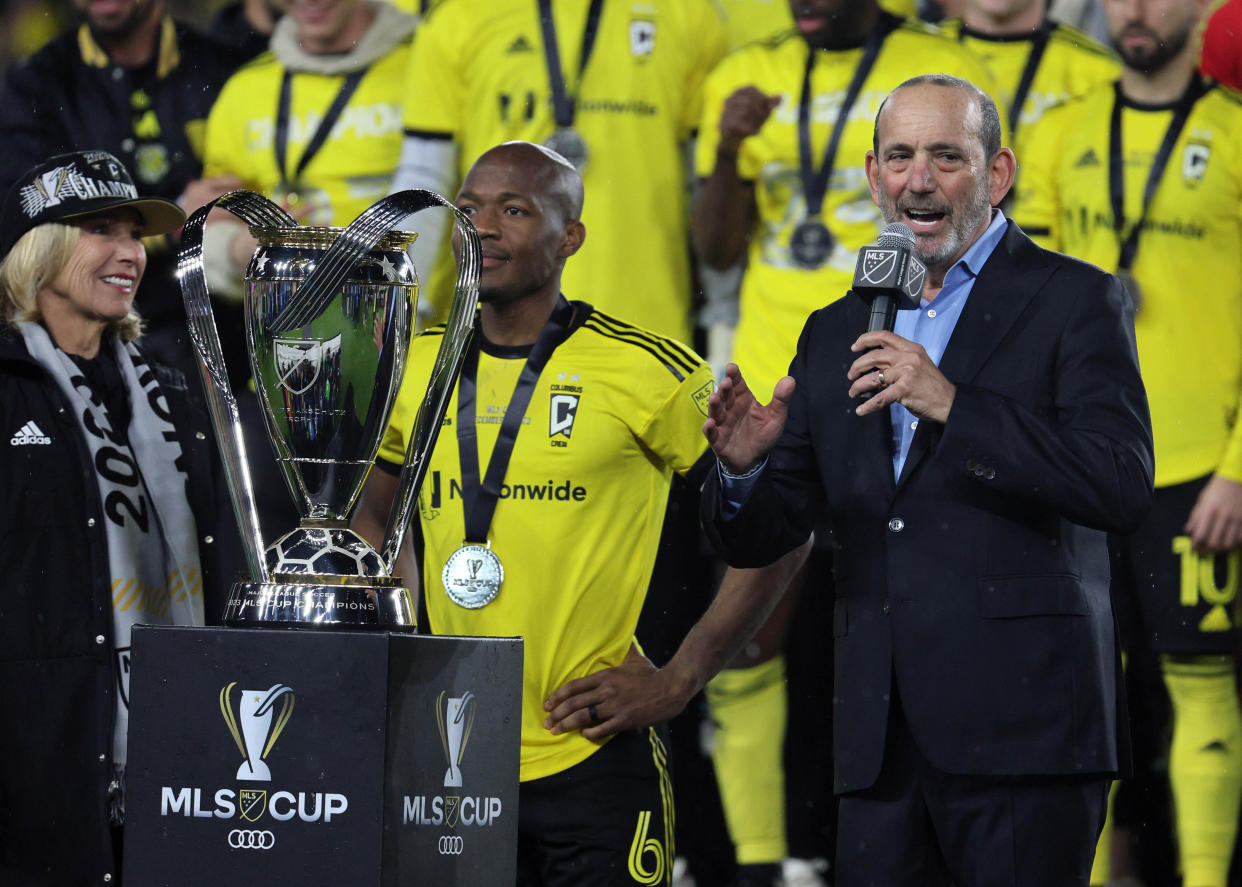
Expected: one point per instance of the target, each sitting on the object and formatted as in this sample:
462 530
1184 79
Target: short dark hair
989 126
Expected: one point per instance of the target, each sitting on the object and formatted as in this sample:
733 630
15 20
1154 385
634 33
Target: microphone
889 278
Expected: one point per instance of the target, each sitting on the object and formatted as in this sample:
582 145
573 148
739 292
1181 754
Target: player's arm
1215 522
725 212
636 694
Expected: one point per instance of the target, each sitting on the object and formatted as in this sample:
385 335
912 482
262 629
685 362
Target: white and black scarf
152 542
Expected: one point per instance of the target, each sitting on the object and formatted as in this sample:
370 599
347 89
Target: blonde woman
108 509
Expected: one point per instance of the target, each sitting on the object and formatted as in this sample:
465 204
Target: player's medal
1132 287
567 142
288 195
473 575
811 243
1129 241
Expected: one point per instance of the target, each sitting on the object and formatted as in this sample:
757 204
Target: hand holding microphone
888 277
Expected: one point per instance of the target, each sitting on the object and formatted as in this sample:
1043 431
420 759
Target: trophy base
290 605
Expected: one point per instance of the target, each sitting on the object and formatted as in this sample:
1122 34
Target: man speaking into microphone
977 705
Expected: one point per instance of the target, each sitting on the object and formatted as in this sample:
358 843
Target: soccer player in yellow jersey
1145 177
577 421
314 123
616 85
799 216
1037 62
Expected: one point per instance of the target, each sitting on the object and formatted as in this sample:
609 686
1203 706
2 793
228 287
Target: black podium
321 758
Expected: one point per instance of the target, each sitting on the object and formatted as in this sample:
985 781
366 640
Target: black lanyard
321 133
1039 44
815 182
479 500
1116 167
562 101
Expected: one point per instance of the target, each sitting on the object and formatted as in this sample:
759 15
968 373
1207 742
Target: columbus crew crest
562 410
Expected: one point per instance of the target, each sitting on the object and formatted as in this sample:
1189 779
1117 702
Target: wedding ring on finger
880 377
593 714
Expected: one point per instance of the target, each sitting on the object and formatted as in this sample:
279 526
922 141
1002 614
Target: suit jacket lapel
1008 281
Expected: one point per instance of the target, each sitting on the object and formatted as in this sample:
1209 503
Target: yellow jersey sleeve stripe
637 342
684 356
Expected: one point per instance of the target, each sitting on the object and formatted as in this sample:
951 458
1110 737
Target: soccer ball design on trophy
315 553
329 314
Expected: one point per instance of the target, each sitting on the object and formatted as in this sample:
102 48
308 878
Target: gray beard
961 226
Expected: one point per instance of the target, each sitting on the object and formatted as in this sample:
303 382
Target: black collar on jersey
321 132
815 182
1116 163
479 500
1039 43
562 100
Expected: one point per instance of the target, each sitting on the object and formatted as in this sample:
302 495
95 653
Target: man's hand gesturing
741 430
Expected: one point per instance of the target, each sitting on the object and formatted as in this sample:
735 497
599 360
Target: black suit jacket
978 581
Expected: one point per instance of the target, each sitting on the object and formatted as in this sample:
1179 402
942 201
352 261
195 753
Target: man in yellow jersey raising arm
564 434
1143 176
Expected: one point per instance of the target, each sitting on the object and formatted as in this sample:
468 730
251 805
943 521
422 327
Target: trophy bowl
327 389
329 314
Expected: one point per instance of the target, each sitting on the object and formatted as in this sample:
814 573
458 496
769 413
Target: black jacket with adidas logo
57 662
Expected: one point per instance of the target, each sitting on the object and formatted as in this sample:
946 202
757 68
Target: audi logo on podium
251 839
451 845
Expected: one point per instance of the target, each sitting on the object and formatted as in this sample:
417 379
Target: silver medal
472 576
811 243
569 144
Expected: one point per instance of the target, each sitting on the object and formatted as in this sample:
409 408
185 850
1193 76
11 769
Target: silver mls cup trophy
329 313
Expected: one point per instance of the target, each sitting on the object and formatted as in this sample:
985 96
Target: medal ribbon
1039 43
562 101
1116 170
321 132
479 500
815 183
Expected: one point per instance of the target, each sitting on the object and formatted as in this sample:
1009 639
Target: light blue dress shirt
933 323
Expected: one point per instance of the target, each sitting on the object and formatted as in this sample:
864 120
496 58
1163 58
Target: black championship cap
83 183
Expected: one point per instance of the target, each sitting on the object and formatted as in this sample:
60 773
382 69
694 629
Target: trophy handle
254 209
427 422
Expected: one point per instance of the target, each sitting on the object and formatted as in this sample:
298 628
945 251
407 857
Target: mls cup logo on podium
257 733
455 715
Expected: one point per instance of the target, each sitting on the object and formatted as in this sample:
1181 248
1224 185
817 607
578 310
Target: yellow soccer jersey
616 411
1072 64
479 75
354 166
749 20
777 296
1189 261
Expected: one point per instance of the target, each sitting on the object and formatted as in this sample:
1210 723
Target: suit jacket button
989 473
884 609
896 525
971 465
